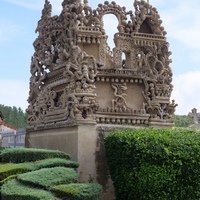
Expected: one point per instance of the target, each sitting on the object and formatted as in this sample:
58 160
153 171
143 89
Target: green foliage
34 181
14 116
7 179
14 190
150 164
182 120
10 170
30 155
2 149
77 191
7 170
50 177
53 162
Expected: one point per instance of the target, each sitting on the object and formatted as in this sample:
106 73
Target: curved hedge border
53 162
78 191
11 169
48 177
13 189
35 180
151 164
19 155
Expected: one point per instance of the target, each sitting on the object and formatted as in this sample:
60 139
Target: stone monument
194 115
80 89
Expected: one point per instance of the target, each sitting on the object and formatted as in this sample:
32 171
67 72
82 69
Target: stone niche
80 89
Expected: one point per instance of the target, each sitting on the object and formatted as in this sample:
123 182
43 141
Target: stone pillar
86 152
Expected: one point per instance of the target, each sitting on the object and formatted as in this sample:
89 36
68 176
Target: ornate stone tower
80 88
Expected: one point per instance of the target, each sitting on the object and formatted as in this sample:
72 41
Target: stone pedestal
85 144
77 140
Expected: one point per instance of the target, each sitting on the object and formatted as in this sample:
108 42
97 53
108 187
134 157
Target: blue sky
18 20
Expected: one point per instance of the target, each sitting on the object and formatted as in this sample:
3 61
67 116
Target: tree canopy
14 116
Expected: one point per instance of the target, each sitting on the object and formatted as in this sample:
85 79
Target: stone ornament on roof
73 63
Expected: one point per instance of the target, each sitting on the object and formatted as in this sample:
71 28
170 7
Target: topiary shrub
78 191
7 170
49 177
151 164
21 155
14 190
34 178
54 162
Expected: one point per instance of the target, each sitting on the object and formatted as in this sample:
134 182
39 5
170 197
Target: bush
37 172
77 191
54 162
150 164
2 149
7 179
11 169
30 155
49 177
14 190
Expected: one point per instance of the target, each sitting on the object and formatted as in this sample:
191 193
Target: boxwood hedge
20 155
54 162
13 189
11 169
35 172
78 191
50 177
151 164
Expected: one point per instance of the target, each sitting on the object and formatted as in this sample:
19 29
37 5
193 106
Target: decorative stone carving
73 64
119 102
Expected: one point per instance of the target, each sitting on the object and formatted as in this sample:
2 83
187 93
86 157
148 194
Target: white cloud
186 92
14 93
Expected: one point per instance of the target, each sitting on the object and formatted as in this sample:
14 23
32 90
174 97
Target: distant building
5 128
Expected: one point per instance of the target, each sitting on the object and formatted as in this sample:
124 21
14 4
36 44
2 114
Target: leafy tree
183 120
14 116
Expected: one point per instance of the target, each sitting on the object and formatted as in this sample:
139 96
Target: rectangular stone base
85 144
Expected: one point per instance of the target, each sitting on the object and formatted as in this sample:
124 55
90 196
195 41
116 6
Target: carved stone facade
72 62
77 79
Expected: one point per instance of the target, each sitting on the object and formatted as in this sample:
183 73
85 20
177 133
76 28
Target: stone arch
113 8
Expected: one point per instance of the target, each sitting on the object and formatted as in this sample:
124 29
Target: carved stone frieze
77 77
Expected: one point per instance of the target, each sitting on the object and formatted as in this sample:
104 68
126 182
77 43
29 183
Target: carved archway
113 8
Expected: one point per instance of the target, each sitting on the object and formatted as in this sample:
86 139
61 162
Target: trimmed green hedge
2 149
77 191
14 190
50 177
54 162
11 169
34 177
7 170
20 155
149 164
